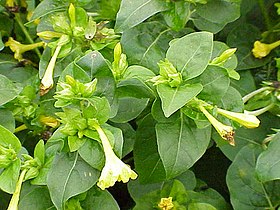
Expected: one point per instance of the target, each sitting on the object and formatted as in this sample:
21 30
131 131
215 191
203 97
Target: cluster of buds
168 74
7 156
119 64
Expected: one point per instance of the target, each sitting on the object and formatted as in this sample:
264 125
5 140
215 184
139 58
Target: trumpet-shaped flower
114 169
47 80
245 119
261 50
19 48
166 203
225 131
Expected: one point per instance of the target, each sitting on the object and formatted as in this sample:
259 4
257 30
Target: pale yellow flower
261 50
166 203
245 119
114 169
19 48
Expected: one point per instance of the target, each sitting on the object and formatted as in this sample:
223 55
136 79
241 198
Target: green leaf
39 151
69 176
147 43
8 90
9 177
147 160
99 199
93 154
268 163
129 108
7 119
75 143
173 99
158 114
247 192
215 83
9 139
1 42
49 6
200 206
195 52
132 13
181 144
178 15
35 197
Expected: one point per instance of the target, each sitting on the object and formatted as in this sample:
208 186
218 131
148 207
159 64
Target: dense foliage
144 104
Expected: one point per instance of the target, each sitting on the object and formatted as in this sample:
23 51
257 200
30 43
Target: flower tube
47 80
225 131
245 119
114 169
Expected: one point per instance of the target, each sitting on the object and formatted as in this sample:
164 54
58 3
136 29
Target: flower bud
261 50
166 203
224 56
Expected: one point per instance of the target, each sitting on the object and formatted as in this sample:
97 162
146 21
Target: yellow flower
114 169
225 131
245 119
166 203
19 48
49 121
261 50
47 80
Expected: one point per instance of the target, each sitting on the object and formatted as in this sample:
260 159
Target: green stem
260 111
15 199
265 14
252 94
26 33
267 198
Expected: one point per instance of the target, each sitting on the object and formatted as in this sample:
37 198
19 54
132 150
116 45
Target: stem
267 198
252 94
26 33
265 14
260 111
15 199
20 128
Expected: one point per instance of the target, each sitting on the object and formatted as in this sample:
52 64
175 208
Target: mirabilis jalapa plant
143 113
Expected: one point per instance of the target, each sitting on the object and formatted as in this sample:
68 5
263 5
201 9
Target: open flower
114 169
225 131
245 119
19 48
166 203
261 50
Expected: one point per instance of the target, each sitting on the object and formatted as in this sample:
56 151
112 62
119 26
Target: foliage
150 93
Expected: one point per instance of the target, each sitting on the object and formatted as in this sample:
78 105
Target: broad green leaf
231 101
9 177
215 83
75 143
158 114
7 119
206 25
146 44
200 206
108 9
181 144
39 151
268 163
132 13
129 108
245 84
246 191
178 15
99 199
93 154
219 12
173 99
48 7
7 138
8 90
69 176
147 160
191 53
35 197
